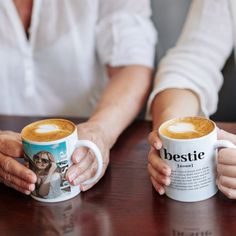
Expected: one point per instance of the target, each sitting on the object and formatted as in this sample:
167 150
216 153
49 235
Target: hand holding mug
158 170
226 166
12 173
189 147
48 147
84 163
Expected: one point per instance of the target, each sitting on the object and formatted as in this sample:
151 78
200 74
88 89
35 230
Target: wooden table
122 203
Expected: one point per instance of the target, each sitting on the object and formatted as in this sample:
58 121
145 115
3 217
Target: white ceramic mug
193 165
50 161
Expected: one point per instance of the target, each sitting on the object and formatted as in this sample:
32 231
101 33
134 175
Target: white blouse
60 70
196 62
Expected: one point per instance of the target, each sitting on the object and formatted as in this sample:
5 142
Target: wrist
163 116
101 130
172 103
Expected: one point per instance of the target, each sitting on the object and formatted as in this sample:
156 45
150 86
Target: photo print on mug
50 163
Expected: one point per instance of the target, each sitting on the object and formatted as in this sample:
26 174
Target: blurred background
169 17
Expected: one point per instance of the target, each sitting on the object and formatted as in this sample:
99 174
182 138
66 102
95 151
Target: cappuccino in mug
48 145
189 146
48 130
187 128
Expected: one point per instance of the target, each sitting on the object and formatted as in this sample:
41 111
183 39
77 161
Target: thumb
154 140
222 134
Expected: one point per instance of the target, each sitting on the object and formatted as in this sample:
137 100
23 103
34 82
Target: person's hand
226 166
12 173
158 170
84 163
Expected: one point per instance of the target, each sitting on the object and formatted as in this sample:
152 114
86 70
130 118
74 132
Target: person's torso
55 71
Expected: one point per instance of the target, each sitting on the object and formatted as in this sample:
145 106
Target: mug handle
224 144
98 155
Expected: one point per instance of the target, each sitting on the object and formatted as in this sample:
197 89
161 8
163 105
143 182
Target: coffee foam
42 129
187 127
181 127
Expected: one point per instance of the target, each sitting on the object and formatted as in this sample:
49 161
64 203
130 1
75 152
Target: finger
13 167
226 181
227 156
88 174
79 154
11 133
226 170
154 140
16 187
159 178
77 169
10 145
85 187
228 192
10 180
222 134
157 163
158 187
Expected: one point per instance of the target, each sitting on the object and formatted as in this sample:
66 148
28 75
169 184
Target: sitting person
76 59
188 81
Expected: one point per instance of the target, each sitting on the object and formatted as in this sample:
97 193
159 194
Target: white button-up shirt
196 62
60 69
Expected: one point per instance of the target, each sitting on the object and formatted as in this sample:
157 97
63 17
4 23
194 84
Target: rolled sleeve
208 102
199 56
126 38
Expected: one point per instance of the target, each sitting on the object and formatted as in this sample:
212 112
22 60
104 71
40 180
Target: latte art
181 128
187 128
48 130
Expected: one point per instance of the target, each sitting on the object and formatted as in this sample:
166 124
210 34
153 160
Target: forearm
122 100
173 103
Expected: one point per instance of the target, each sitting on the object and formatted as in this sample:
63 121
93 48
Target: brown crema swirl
201 127
63 128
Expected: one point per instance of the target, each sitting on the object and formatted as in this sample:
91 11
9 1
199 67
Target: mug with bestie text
48 146
189 148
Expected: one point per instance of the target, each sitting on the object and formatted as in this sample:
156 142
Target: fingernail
161 191
27 192
77 158
72 176
167 182
157 145
167 171
31 177
31 187
77 181
81 188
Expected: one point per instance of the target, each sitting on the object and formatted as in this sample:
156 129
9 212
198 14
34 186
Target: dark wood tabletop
122 203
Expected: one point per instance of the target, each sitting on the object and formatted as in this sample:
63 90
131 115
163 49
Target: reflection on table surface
70 218
197 218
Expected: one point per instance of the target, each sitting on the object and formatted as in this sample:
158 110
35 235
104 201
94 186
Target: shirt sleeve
196 61
125 33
